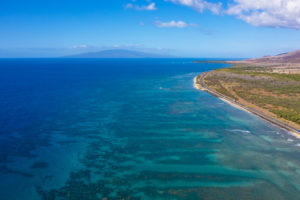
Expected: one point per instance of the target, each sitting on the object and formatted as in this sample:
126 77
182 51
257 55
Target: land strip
272 96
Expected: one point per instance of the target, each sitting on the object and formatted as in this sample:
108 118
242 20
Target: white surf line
202 86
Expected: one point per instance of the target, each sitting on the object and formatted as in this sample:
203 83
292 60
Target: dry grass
262 87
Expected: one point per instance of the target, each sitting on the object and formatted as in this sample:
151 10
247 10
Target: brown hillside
291 57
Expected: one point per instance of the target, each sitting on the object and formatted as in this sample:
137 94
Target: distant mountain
290 57
118 53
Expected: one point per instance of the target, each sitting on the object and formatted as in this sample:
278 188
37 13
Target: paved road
261 115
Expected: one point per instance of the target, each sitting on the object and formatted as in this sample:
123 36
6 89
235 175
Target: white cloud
151 6
173 24
274 13
200 5
271 13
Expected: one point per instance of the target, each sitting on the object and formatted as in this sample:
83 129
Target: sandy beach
198 84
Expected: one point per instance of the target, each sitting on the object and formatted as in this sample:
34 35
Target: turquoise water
133 129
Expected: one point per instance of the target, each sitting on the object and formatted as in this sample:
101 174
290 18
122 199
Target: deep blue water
86 129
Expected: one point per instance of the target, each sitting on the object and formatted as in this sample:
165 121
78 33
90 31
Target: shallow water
133 129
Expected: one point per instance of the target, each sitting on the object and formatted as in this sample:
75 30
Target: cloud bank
200 5
273 13
270 13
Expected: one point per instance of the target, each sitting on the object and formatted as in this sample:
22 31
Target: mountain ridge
289 57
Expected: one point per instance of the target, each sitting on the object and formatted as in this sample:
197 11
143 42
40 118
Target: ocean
102 129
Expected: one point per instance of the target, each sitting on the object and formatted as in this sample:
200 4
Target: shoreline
199 85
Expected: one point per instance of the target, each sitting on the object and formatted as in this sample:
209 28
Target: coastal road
259 114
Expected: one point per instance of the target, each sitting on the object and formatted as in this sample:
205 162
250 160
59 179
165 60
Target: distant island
118 53
268 87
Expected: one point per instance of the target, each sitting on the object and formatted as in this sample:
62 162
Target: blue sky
189 28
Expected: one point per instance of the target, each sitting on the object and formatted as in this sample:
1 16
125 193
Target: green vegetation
219 87
260 71
278 93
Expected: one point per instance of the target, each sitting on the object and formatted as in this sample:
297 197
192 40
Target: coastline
199 85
